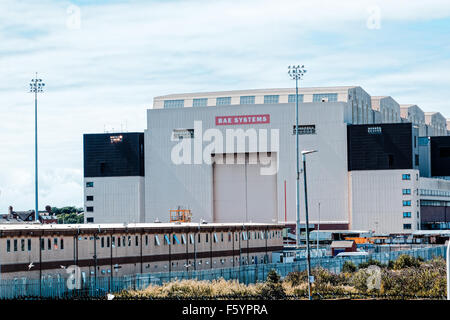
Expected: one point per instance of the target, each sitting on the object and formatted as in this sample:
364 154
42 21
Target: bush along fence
61 288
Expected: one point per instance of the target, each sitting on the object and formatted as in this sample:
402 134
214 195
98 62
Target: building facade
230 157
112 250
114 177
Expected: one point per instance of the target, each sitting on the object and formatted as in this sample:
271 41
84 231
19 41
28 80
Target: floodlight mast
296 73
36 86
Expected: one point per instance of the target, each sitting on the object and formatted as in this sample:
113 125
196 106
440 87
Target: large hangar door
241 193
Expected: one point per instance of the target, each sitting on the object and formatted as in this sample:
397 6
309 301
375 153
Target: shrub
405 261
370 262
349 267
273 288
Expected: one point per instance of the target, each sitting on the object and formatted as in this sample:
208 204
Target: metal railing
59 288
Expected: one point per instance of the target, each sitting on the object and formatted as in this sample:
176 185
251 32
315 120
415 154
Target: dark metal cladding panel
113 154
380 146
440 156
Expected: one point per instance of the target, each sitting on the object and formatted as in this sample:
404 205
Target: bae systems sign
244 119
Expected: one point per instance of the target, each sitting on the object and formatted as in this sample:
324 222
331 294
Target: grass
407 277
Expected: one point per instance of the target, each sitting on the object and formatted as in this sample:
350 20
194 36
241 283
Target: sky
103 61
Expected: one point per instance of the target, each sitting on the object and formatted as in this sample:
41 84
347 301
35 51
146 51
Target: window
55 243
102 242
406 191
183 239
206 237
49 244
129 241
175 239
8 245
90 209
247 100
271 98
407 203
407 226
406 176
324 97
22 244
42 244
170 104
89 184
118 241
61 242
305 129
115 139
178 134
199 238
202 102
374 130
191 238
166 238
157 243
215 238
223 101
29 244
136 241
102 167
89 198
406 214
291 98
15 244
90 220
390 161
146 240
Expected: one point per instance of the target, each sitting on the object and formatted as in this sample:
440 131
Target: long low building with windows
230 156
39 251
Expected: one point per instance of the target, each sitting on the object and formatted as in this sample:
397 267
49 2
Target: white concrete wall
169 185
116 199
377 200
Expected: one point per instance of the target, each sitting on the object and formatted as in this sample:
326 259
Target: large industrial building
230 157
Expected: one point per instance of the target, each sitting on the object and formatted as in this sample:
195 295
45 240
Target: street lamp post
36 86
296 73
308 258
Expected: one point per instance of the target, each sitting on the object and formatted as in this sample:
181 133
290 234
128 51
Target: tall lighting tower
296 73
36 86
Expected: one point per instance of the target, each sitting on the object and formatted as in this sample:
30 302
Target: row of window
268 99
54 244
434 193
304 129
174 239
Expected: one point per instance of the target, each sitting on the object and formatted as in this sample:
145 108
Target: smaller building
342 246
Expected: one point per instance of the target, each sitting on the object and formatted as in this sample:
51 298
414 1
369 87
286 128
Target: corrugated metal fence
51 287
